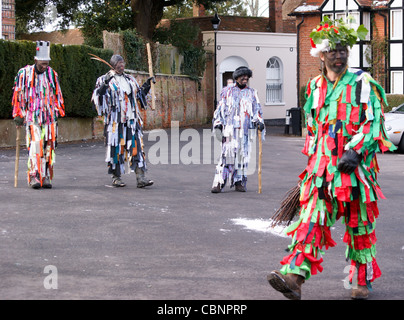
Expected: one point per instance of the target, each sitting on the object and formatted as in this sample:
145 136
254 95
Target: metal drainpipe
298 61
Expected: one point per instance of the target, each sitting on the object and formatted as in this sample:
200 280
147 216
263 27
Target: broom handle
149 58
259 162
17 157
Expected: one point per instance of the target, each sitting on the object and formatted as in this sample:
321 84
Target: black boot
216 189
239 187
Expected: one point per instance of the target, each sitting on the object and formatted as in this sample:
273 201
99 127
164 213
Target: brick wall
8 19
309 66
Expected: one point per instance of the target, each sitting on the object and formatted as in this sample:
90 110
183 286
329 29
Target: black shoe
141 183
239 187
46 183
216 189
34 183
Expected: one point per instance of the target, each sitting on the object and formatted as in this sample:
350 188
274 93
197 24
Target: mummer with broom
119 98
345 124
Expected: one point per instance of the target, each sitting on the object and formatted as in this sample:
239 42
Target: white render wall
256 48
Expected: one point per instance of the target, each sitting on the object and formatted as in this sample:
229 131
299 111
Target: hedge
77 73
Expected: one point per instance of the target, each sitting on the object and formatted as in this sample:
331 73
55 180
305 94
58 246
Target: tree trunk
146 15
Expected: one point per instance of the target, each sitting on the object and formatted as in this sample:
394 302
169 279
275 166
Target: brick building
383 19
267 45
7 21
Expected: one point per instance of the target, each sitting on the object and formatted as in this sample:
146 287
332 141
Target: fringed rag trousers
41 142
311 234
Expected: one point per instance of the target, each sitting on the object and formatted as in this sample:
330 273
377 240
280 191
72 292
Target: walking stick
149 58
17 156
259 162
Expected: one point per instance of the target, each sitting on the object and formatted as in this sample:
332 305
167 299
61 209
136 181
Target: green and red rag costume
347 114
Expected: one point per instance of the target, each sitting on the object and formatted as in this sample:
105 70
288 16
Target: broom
289 207
101 60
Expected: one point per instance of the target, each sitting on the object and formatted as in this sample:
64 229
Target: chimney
275 15
198 10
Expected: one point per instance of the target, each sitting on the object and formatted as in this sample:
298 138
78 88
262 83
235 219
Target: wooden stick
259 162
149 58
17 157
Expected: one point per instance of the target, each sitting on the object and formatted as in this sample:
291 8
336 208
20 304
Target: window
396 55
396 25
274 79
397 82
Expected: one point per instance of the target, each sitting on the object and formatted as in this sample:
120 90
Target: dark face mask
41 66
242 81
336 60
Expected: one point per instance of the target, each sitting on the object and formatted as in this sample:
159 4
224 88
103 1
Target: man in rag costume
235 121
345 123
118 97
38 102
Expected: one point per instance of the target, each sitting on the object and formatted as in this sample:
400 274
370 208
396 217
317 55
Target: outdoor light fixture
215 24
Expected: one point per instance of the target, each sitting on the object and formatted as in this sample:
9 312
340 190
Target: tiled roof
312 6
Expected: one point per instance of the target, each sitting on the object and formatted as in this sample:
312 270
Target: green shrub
77 73
135 50
394 100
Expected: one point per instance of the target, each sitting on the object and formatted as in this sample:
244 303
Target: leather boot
34 182
239 187
360 293
141 179
216 189
117 182
46 183
289 285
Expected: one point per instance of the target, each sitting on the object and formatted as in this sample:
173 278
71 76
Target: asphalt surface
175 240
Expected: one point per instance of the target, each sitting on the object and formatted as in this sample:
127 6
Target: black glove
349 161
19 122
150 79
260 126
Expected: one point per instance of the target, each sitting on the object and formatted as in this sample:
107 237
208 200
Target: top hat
43 50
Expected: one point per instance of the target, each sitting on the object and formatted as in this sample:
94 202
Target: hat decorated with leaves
330 33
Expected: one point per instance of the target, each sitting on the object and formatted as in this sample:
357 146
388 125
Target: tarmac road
175 240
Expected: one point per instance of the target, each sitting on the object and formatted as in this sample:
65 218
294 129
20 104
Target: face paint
41 66
120 67
242 80
336 60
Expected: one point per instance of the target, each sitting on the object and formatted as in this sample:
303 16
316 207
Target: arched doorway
227 68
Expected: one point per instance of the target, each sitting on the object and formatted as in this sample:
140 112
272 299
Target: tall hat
42 51
330 33
240 71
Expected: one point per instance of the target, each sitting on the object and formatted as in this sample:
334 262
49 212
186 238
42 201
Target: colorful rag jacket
342 115
38 99
123 125
238 113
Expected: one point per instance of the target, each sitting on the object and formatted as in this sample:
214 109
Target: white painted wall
256 48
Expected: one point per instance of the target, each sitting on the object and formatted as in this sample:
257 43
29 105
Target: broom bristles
94 57
289 207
